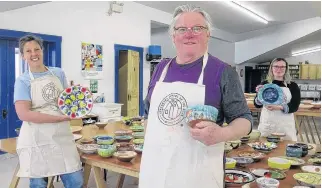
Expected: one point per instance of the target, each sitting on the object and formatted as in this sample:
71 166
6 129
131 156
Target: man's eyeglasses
196 30
279 67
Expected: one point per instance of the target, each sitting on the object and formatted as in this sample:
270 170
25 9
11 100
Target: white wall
273 37
313 58
80 22
218 48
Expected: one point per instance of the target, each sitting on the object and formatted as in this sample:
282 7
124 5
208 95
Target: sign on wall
92 64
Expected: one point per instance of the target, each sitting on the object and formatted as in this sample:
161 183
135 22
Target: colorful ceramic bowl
274 139
230 163
123 138
101 125
124 147
234 144
199 113
138 134
293 160
308 179
106 140
243 160
305 148
311 169
138 148
106 150
125 156
254 135
87 148
137 128
256 156
271 94
294 151
264 182
269 173
238 177
279 163
138 141
123 132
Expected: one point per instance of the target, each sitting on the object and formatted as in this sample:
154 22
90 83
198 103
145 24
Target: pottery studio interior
89 88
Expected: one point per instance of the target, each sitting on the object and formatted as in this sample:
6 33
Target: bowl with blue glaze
294 151
271 94
105 140
197 113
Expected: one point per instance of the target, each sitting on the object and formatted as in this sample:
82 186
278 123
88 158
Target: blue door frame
9 38
117 48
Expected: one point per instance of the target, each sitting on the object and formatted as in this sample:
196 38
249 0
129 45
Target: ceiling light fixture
307 51
245 10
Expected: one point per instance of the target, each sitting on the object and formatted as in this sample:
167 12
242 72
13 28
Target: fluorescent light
245 10
307 51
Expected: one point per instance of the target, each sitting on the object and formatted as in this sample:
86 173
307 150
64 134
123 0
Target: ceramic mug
305 148
294 151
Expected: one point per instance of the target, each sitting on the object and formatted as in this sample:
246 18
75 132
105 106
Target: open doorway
129 79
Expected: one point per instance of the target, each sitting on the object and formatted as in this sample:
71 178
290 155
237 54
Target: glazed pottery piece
106 140
75 101
271 94
265 182
293 151
106 150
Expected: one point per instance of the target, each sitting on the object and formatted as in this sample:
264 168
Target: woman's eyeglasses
196 30
279 67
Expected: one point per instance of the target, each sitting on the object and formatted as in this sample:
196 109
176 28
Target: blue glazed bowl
294 151
271 94
199 113
105 140
305 148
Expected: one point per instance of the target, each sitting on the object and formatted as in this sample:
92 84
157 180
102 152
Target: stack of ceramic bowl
138 134
106 149
245 139
123 135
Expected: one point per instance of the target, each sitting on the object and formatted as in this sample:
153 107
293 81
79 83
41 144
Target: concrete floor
8 163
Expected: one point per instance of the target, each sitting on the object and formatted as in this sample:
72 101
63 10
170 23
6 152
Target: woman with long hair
280 118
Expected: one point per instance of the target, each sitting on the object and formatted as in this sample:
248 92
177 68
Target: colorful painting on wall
92 60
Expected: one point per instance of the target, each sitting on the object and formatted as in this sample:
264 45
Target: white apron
46 149
171 157
277 121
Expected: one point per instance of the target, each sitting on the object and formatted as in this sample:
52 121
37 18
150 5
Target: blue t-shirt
22 84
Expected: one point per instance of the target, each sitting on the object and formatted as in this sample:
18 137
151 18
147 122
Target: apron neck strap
200 80
32 76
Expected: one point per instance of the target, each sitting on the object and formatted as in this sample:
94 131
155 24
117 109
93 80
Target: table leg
87 172
98 177
310 129
15 178
120 181
316 129
50 183
298 127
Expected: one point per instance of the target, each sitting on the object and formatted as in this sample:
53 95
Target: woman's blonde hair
270 76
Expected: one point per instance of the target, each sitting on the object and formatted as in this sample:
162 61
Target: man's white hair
189 8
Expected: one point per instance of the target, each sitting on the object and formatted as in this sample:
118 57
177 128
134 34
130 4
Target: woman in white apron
280 118
45 146
175 155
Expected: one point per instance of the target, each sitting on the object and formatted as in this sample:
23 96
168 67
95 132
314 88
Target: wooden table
304 120
289 181
112 164
132 168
